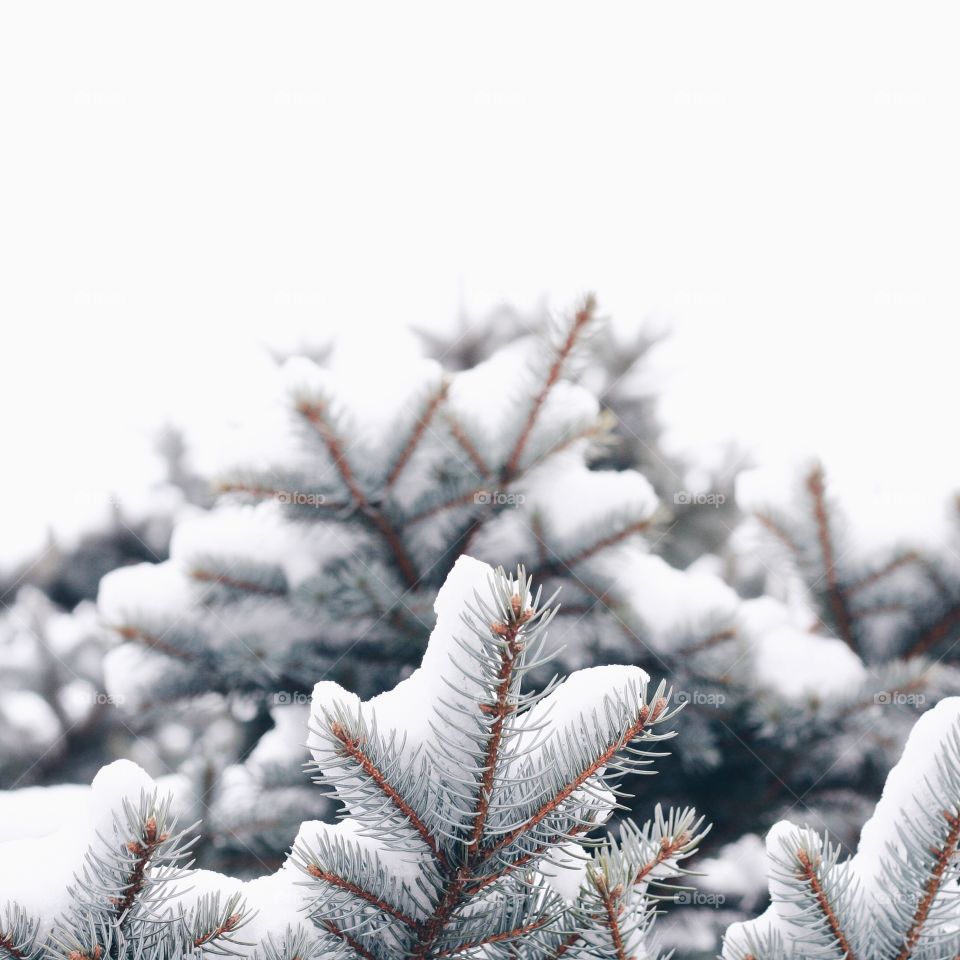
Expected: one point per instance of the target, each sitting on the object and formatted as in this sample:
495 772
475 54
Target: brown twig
315 414
351 748
342 884
646 716
613 910
809 873
143 850
835 593
771 526
500 711
467 445
902 560
6 943
349 940
513 934
226 927
129 632
935 633
235 583
581 319
942 857
416 435
618 536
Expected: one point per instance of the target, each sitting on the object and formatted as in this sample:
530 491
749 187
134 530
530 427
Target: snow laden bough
474 822
896 898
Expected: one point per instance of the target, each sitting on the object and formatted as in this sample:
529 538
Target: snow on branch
465 792
474 810
895 898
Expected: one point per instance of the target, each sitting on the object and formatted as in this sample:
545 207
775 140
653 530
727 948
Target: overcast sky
186 182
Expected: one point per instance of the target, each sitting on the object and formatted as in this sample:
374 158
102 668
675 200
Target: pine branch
500 711
581 320
835 593
898 562
227 925
895 898
778 531
612 911
315 414
375 900
646 717
416 434
353 749
151 640
936 633
808 871
358 948
556 564
942 859
496 776
236 583
143 849
467 445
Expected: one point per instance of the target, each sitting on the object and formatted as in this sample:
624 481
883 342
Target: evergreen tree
326 547
474 819
895 899
58 722
326 560
55 716
895 609
899 602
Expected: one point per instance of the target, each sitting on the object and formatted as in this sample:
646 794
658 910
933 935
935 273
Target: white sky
182 183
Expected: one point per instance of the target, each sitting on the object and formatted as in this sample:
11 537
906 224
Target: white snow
56 826
873 504
407 706
666 601
143 590
906 794
738 870
485 399
573 499
396 365
29 721
793 661
258 533
126 673
907 791
33 812
285 744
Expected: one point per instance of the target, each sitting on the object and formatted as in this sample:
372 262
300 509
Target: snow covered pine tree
896 898
899 602
896 609
357 490
57 724
472 808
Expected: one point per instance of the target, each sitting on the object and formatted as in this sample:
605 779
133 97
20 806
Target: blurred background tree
518 438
